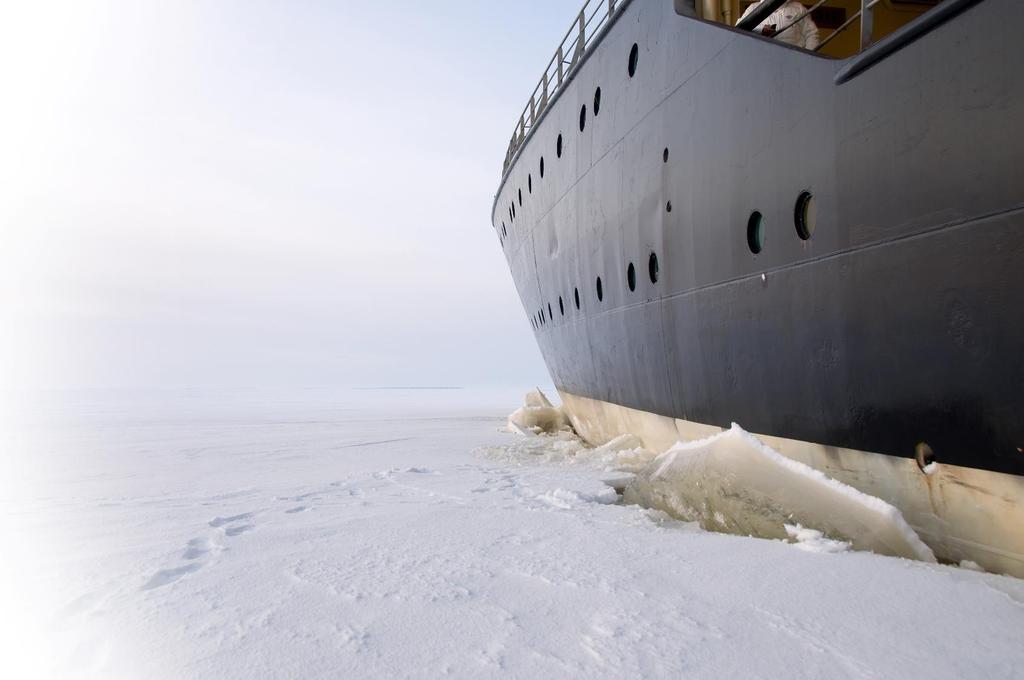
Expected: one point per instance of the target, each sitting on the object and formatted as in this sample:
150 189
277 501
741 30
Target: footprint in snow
196 548
237 530
166 577
217 522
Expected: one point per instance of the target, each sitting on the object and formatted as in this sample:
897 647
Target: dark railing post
867 23
581 38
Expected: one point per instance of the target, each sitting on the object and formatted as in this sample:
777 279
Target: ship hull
896 325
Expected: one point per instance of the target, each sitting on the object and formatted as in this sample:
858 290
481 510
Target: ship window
600 290
583 117
561 307
631 276
805 215
755 232
529 183
558 146
664 155
542 166
576 296
514 209
634 56
668 207
597 101
550 315
520 198
652 267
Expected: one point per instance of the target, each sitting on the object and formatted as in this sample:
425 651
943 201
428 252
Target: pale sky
216 192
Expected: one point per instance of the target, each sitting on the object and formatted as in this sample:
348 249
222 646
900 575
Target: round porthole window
600 290
583 117
631 276
634 56
805 215
558 146
597 101
755 232
576 297
652 268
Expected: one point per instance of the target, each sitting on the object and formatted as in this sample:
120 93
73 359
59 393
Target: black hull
898 322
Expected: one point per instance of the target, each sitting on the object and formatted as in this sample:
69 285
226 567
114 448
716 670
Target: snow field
319 541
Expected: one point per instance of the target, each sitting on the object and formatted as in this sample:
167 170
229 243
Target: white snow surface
392 535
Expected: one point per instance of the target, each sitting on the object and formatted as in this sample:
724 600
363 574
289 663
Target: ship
707 225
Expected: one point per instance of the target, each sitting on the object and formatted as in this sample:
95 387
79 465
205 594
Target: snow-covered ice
732 482
393 534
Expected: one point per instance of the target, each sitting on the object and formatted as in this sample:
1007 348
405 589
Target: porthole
755 232
600 290
634 56
631 276
561 307
576 297
664 155
583 117
597 101
805 215
542 167
520 198
551 317
558 146
668 207
652 267
529 183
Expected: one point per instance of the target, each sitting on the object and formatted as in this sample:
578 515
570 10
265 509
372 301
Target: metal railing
593 18
866 16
